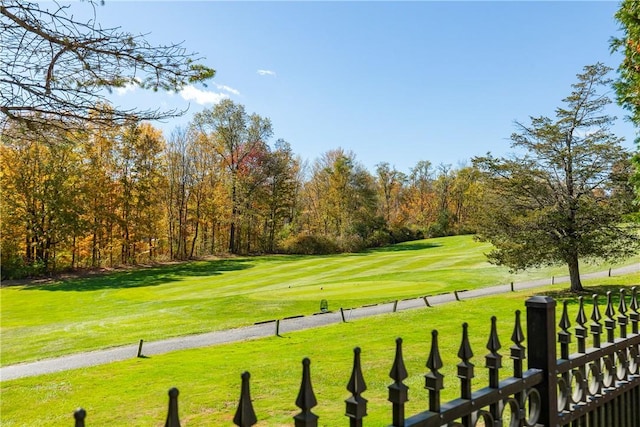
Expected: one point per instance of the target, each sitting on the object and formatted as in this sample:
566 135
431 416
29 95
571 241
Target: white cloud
129 87
202 97
228 89
267 73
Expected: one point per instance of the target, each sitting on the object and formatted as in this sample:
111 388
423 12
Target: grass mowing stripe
133 392
181 299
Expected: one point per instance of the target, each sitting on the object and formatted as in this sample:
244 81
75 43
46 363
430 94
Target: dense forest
106 196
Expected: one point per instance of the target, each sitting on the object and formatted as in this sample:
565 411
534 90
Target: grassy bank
133 392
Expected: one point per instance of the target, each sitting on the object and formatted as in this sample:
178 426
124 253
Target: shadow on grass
587 295
142 277
412 246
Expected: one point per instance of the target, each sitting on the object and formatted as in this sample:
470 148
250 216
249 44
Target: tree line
117 195
86 184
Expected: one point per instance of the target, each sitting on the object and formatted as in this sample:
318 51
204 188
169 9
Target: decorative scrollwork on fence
599 373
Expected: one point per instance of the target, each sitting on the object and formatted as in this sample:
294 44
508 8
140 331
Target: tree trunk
193 241
234 215
574 274
232 238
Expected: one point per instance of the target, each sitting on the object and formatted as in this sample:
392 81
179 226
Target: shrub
379 238
405 234
310 244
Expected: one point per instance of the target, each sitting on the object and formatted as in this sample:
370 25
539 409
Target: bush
405 234
379 238
310 244
351 243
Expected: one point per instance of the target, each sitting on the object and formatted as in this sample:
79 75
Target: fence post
541 352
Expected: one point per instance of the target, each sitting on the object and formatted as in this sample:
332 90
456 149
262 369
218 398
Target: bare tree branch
56 68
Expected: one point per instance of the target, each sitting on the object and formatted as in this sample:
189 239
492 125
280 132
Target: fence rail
596 386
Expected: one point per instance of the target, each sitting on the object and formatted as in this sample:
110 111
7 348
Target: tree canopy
56 69
557 201
628 83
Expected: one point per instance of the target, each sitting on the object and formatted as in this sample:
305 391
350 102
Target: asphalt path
270 328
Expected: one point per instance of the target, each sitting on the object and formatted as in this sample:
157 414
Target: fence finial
596 327
493 359
465 367
623 320
517 349
306 399
564 336
434 379
172 413
398 391
79 415
581 329
610 320
356 405
634 315
245 415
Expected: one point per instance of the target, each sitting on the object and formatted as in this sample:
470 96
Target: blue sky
394 82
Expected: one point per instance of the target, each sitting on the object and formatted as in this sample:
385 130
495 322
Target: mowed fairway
41 321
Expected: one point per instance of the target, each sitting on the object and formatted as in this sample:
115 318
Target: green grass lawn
41 321
134 392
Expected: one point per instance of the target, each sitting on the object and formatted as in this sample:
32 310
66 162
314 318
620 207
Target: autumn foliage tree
41 205
236 137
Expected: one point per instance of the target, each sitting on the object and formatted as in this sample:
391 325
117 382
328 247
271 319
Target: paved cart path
98 357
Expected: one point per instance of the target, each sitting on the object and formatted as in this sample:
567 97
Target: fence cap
540 301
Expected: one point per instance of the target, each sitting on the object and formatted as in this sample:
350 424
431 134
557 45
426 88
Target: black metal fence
595 386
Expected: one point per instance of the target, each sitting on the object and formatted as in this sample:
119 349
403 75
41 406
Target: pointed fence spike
465 367
596 327
245 415
464 352
79 415
356 382
398 370
581 330
582 317
634 299
172 414
622 305
493 359
610 312
517 337
610 320
565 324
517 349
356 405
493 345
306 399
564 336
434 380
434 361
634 316
398 391
623 320
595 314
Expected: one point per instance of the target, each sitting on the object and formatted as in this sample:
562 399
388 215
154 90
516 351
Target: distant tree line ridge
114 195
